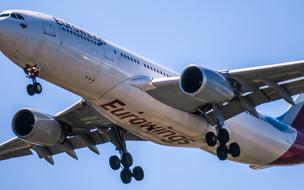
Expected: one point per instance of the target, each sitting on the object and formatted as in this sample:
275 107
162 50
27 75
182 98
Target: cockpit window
20 17
14 15
17 16
4 15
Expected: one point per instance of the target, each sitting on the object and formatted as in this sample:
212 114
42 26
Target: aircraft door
109 54
49 29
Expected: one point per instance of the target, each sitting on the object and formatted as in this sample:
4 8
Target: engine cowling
37 128
205 85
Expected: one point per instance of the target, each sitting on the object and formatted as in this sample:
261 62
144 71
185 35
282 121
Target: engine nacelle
37 128
205 85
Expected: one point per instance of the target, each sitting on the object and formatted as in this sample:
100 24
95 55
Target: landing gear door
49 29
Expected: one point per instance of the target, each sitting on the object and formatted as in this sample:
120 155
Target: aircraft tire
114 162
138 173
210 139
126 159
126 176
234 150
223 136
30 89
37 88
222 152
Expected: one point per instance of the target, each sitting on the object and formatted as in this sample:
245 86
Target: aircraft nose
1 27
3 37
1 31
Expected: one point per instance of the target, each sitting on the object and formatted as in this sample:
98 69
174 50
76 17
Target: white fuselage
102 72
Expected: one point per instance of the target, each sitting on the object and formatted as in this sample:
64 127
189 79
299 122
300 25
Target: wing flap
257 98
252 78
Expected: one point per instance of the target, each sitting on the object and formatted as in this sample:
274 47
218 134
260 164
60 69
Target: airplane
126 97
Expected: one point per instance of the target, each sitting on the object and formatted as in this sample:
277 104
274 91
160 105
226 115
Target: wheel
126 159
126 176
222 152
38 88
210 139
138 173
114 162
234 150
30 89
223 136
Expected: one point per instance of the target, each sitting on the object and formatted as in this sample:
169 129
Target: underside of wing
79 126
253 78
198 90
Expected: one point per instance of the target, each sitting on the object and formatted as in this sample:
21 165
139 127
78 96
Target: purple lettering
112 104
116 112
138 121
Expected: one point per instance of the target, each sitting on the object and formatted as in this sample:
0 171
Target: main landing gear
221 138
32 72
125 161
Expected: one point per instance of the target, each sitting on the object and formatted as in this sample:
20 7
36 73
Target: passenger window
4 15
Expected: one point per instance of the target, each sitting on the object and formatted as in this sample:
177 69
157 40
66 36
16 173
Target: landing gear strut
125 161
32 72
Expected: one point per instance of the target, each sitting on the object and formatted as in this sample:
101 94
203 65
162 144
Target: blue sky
215 34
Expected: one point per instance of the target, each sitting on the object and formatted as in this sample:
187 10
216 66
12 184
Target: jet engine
37 128
205 85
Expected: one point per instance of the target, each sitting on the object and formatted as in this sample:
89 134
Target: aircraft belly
260 142
138 112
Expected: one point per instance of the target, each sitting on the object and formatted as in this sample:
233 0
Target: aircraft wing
257 85
87 128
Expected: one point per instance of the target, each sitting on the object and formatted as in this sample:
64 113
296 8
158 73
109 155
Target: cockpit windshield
17 16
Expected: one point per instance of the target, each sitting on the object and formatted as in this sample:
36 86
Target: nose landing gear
32 72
